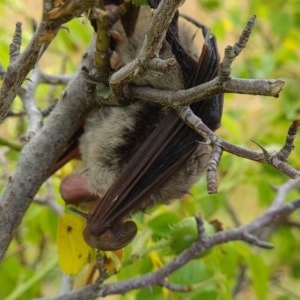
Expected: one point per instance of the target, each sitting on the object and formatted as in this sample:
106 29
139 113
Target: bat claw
206 141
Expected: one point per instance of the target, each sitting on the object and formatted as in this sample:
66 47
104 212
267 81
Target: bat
141 154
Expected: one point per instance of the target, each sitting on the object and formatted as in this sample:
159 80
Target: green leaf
28 288
161 224
281 22
153 293
210 4
193 272
296 270
283 297
207 295
259 275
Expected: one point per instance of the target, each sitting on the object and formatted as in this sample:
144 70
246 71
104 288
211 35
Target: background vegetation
235 270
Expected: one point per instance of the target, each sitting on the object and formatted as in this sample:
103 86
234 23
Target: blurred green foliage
30 268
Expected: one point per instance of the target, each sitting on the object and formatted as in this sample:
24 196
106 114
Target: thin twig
15 46
28 97
211 174
176 287
282 190
231 52
240 279
55 79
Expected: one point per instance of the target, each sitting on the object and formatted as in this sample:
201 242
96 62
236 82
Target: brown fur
104 131
112 137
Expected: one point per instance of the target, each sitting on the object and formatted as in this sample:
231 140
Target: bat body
141 154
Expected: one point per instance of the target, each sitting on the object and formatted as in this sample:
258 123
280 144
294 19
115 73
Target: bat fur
122 144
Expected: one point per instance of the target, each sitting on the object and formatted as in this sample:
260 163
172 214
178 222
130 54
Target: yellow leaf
67 169
73 251
112 260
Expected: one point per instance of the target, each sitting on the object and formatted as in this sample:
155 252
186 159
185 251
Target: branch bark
41 153
22 63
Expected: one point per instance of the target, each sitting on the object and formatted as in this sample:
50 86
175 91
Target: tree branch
262 87
242 233
21 64
41 153
147 59
223 83
274 160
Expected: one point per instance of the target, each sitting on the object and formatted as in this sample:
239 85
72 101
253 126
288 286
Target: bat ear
114 238
75 189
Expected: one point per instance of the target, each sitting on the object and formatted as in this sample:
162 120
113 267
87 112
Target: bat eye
114 238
